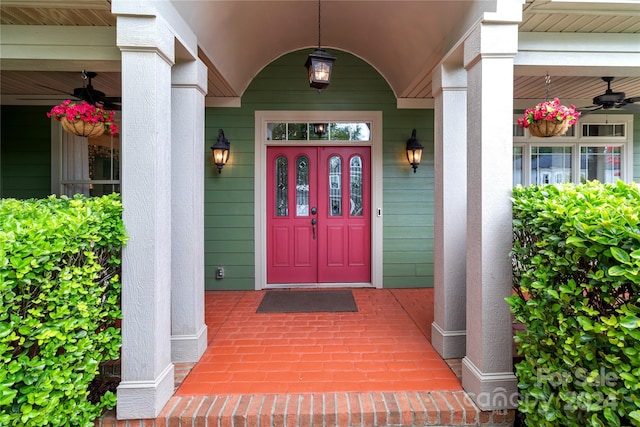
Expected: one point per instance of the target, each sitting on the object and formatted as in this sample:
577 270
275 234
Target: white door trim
260 181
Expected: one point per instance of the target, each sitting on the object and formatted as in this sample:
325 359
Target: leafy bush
576 265
59 300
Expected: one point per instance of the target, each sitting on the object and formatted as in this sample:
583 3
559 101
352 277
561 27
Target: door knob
314 211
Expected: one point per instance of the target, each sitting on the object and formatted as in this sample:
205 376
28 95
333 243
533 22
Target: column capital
492 39
191 74
448 77
146 33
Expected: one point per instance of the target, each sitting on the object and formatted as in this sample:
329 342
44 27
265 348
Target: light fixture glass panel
282 187
550 165
600 163
297 131
355 179
302 186
276 131
335 186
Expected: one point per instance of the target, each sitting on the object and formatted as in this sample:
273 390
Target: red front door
318 218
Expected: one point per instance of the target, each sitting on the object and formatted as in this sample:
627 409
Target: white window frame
577 141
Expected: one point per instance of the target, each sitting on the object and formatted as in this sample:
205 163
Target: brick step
368 409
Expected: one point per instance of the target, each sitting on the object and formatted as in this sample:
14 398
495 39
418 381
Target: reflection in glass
603 130
335 191
302 186
600 163
355 178
282 201
517 165
350 131
550 165
276 131
297 131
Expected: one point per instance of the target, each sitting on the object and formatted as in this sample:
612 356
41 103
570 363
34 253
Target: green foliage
576 269
59 300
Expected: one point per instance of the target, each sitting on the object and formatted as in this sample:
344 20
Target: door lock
314 210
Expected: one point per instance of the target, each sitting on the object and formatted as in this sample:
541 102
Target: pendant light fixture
319 64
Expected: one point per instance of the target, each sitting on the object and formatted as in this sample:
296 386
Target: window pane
319 131
603 130
276 131
355 174
282 200
517 166
600 163
350 131
302 186
297 131
550 165
335 192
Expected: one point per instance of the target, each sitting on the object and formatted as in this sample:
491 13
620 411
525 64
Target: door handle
313 225
313 211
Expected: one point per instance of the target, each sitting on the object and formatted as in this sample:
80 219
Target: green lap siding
25 152
355 86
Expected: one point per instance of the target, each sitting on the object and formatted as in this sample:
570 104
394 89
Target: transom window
599 147
333 131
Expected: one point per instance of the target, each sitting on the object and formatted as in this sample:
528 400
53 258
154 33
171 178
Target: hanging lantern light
319 64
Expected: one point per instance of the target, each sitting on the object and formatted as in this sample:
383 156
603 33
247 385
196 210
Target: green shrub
59 300
576 265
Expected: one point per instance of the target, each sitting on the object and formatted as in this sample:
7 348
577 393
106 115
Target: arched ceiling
402 39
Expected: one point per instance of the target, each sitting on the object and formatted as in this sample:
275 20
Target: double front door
319 217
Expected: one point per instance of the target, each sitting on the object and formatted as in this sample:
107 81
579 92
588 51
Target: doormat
307 302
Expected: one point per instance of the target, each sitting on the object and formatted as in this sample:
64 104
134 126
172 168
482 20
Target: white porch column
487 369
448 332
188 330
147 381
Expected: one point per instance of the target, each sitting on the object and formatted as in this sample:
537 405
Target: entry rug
307 301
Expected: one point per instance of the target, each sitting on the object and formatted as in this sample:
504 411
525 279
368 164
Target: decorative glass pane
600 163
302 186
276 131
550 165
517 166
335 191
282 199
297 131
355 178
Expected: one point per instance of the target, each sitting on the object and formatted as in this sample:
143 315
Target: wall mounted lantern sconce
414 151
220 151
319 64
319 129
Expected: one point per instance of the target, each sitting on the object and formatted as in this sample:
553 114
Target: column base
188 348
490 391
144 399
448 344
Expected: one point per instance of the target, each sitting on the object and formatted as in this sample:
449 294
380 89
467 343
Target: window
89 166
599 147
335 131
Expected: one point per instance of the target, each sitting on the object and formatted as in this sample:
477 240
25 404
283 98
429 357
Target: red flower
549 110
85 112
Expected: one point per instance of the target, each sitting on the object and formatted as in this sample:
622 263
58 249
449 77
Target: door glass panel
302 186
335 192
600 163
282 202
355 178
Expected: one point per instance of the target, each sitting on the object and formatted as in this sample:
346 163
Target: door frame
260 184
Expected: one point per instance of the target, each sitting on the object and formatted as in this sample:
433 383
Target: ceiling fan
610 99
92 96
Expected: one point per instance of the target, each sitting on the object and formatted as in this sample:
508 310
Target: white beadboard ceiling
248 34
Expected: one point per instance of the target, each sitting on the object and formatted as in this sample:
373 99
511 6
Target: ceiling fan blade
57 90
117 99
631 107
631 100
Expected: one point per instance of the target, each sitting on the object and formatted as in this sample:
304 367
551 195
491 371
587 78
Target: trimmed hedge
59 301
576 270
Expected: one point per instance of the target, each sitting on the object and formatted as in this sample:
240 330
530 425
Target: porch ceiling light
220 151
414 151
319 64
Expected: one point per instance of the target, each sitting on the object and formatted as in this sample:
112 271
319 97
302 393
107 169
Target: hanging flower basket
82 128
84 119
549 119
